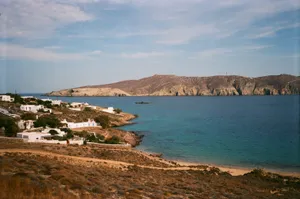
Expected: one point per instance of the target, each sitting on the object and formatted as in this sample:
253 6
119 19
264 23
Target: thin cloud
52 47
271 31
96 52
23 19
226 51
12 51
140 55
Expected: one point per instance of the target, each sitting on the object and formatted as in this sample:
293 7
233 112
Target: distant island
171 85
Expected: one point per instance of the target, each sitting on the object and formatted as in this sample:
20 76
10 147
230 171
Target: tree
94 138
11 128
117 110
69 135
103 120
28 116
48 120
113 140
87 109
53 132
18 98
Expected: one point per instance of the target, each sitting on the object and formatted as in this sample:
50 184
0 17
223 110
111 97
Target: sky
48 45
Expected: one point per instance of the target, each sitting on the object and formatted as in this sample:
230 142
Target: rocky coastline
171 85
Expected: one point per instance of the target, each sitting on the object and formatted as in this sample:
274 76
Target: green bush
113 140
53 132
103 120
28 116
81 133
11 128
47 104
92 138
88 109
49 120
18 98
69 135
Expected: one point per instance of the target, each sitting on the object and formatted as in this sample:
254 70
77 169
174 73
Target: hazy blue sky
47 45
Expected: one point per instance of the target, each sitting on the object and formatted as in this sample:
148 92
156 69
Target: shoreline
232 170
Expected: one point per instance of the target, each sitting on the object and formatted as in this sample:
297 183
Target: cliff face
171 85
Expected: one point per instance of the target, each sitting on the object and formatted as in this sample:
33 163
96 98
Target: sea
237 131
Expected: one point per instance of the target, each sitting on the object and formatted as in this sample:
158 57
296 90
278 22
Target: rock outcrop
171 85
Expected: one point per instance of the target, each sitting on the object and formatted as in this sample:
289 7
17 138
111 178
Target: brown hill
171 85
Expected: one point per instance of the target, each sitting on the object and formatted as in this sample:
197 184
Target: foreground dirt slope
53 171
171 85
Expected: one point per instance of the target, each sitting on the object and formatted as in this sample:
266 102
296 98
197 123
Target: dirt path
88 161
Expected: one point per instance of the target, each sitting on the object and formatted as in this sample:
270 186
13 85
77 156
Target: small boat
142 102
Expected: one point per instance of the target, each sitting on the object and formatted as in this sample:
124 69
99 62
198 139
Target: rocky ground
54 171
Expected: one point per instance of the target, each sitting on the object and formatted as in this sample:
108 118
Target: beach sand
236 171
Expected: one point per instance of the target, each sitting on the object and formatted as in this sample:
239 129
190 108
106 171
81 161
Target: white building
76 104
60 133
34 108
28 97
33 136
40 137
53 102
75 109
56 102
109 110
73 125
6 98
26 124
92 107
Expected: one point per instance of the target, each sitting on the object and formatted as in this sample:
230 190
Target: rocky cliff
171 85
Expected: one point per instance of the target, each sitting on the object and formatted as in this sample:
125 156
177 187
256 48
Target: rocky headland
171 85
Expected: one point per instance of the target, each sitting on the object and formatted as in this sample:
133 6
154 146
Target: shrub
49 120
103 120
53 132
117 110
18 98
92 138
81 133
87 109
67 130
11 129
113 140
47 104
69 135
28 116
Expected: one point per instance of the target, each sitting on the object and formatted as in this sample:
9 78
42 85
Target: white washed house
92 107
6 98
34 108
60 132
53 102
73 125
76 104
33 136
56 102
109 110
26 124
40 137
27 97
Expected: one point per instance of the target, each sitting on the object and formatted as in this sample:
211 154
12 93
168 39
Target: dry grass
35 176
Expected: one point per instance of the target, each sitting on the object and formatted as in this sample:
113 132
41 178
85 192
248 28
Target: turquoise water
250 131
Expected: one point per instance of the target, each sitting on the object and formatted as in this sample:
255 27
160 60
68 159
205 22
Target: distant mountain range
171 85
